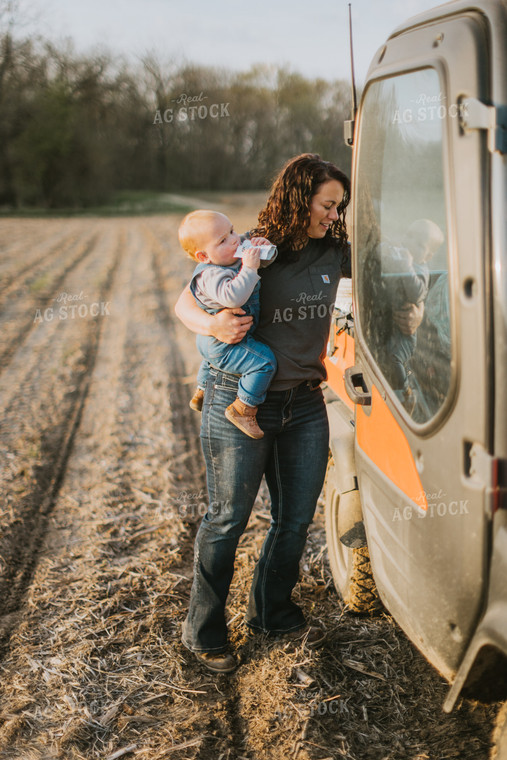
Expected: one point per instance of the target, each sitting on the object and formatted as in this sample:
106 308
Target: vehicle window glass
402 238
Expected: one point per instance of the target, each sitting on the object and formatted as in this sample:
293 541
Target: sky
308 37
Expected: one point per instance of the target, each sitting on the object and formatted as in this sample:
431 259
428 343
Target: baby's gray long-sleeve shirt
218 286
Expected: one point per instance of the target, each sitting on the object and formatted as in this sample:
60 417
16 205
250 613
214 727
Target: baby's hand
251 258
260 241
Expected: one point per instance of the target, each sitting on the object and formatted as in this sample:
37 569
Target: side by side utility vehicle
416 491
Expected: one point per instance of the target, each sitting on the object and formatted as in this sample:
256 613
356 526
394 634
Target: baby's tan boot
243 416
197 400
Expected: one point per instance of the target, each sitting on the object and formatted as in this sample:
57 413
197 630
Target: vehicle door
421 244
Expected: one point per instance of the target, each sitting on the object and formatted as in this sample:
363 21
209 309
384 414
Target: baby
407 281
221 280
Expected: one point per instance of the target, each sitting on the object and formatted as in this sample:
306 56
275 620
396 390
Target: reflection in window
402 238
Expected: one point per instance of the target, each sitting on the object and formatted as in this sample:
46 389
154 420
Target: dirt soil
103 485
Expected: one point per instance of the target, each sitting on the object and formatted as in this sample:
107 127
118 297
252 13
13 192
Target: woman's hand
229 326
409 317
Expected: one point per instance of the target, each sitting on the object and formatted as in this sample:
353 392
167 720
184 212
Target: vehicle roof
495 11
490 8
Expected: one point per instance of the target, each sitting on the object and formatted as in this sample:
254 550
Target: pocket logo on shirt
325 278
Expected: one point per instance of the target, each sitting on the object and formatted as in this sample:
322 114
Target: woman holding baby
305 218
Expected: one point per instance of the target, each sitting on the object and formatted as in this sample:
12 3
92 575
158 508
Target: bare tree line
75 129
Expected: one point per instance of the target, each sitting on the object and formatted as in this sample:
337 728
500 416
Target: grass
122 203
146 202
40 283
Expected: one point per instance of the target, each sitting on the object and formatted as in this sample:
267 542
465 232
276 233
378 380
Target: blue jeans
293 457
202 374
250 358
401 349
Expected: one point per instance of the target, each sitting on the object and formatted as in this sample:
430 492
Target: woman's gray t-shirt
297 299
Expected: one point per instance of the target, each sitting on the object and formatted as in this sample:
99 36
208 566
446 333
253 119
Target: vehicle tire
499 749
350 568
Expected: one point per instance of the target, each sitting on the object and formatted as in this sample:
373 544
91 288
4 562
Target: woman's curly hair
285 219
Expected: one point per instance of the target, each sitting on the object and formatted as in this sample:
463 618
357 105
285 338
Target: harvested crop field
103 485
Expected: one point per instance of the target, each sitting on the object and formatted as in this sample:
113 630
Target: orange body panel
343 357
383 441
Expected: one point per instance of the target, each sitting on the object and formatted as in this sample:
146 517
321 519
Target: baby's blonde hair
190 230
426 231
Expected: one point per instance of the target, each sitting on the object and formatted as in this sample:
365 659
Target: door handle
356 388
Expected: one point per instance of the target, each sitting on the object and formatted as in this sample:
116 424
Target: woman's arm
228 325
